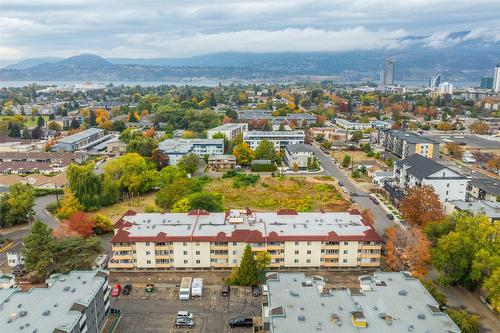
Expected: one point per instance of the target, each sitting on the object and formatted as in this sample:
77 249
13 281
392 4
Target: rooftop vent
302 318
421 316
411 328
294 293
23 313
78 277
73 290
402 292
19 305
46 313
67 288
55 305
84 282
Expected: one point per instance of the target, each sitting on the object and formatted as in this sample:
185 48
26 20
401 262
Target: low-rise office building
175 149
417 170
280 139
405 144
74 303
230 130
393 302
82 140
298 155
202 240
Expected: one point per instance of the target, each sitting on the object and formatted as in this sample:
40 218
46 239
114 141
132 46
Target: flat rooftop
80 135
228 127
251 134
48 309
184 146
470 140
489 208
388 302
411 137
244 225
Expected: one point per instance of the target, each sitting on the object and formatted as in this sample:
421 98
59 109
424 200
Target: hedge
263 167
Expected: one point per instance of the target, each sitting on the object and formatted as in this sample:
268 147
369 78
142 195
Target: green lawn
29 121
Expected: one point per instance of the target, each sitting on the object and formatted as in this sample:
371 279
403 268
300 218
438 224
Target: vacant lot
137 204
273 193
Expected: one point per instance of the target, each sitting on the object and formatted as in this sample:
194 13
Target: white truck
185 289
197 287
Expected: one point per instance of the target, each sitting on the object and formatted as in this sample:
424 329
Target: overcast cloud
165 28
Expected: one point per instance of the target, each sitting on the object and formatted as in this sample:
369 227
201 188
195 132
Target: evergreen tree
39 249
40 122
75 124
265 151
247 274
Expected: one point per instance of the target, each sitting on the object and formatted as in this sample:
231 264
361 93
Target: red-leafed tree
421 205
79 224
407 249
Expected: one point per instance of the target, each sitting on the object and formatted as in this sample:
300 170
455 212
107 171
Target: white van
197 287
185 289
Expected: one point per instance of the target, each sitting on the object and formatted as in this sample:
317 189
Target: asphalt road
362 198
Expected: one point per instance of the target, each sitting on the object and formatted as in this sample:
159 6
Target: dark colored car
18 270
390 216
340 183
240 322
127 289
255 290
184 322
226 291
375 201
352 200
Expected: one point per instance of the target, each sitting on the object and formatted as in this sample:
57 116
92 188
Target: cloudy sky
170 28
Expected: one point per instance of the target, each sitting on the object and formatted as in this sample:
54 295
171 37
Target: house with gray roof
298 154
486 188
74 303
417 170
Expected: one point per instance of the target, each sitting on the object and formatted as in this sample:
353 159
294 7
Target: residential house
221 162
298 155
486 188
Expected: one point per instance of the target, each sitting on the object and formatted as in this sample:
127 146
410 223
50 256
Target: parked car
226 291
390 216
184 314
184 322
264 290
18 270
117 290
340 183
375 201
255 290
240 322
351 199
150 288
127 289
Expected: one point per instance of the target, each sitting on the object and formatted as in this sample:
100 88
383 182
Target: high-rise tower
496 78
390 66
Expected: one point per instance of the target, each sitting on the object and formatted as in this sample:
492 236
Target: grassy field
271 194
29 121
139 204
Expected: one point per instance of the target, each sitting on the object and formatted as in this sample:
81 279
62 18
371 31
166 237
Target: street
362 198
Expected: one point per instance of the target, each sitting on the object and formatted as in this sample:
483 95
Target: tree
101 224
407 249
75 253
54 126
211 202
79 224
454 149
444 126
494 163
356 136
243 153
263 260
40 122
68 205
75 124
492 286
142 146
367 216
468 323
421 205
189 163
133 117
346 161
132 172
86 185
16 206
169 194
479 127
248 271
169 174
37 133
320 137
265 151
39 250
92 118
118 126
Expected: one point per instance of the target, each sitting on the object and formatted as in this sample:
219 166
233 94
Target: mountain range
467 61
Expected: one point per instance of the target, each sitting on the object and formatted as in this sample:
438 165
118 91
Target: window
448 185
198 261
184 243
296 243
345 251
148 261
147 243
185 253
185 261
197 243
359 250
296 251
148 253
344 261
308 251
235 261
346 243
296 261
308 243
447 192
234 252
235 243
197 253
308 261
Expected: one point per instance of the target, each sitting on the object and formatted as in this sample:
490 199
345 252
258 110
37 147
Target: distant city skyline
149 29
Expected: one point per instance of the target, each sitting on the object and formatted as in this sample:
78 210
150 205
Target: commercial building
496 79
488 208
346 124
405 144
175 149
202 240
329 133
9 144
486 82
221 162
82 140
392 302
75 303
280 139
230 130
298 155
417 170
483 189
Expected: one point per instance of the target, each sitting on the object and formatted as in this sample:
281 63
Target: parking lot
156 311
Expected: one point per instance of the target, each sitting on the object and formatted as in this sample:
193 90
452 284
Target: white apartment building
346 124
230 130
175 149
202 240
280 139
417 170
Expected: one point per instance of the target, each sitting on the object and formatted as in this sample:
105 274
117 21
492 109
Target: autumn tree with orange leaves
367 216
79 224
421 205
407 249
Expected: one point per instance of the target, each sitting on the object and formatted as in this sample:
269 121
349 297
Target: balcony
163 265
219 264
162 256
274 247
330 264
120 265
117 256
331 255
121 248
219 247
219 255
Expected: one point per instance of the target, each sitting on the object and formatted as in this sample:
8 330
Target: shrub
263 167
230 174
242 180
102 224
